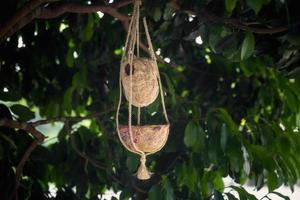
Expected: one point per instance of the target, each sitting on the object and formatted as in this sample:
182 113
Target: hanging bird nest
141 82
144 81
148 138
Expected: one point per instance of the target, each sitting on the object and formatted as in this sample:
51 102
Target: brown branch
208 17
69 119
123 3
55 11
20 166
95 163
23 12
39 139
37 11
23 126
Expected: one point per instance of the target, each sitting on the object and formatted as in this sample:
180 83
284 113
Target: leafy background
232 94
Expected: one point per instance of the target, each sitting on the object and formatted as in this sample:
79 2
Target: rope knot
143 173
143 159
139 2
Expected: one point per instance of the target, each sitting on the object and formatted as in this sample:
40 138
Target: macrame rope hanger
132 45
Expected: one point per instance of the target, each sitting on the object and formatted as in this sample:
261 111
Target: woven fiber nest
145 87
148 138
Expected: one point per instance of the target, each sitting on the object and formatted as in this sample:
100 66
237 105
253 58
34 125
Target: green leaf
194 136
218 182
10 95
125 195
132 162
68 99
153 107
190 134
155 193
89 29
200 140
23 113
226 117
291 99
70 58
247 46
224 136
284 144
280 195
157 14
168 189
231 196
260 182
187 175
171 88
272 181
218 195
243 194
256 5
7 139
230 5
79 79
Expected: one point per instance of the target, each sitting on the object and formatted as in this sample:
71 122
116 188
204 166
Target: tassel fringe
143 173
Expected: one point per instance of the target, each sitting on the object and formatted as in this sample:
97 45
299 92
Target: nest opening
127 69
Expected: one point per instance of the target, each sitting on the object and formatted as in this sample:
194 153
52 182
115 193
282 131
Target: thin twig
95 163
39 139
69 119
20 166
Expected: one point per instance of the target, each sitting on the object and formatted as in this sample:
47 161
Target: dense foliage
233 100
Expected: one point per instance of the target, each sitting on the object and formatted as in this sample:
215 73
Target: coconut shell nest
147 138
145 87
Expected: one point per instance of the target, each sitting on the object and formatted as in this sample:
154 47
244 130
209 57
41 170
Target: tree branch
20 166
23 126
55 11
95 163
39 139
68 119
35 10
208 17
23 12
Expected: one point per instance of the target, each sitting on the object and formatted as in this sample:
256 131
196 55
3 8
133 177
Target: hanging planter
140 81
149 138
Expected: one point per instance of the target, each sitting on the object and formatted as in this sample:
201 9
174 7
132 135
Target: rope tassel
143 173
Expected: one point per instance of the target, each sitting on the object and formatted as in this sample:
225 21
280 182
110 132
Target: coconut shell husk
148 138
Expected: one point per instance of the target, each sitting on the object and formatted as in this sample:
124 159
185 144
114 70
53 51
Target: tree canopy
230 71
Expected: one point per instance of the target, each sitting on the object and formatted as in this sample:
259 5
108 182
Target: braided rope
156 66
129 51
